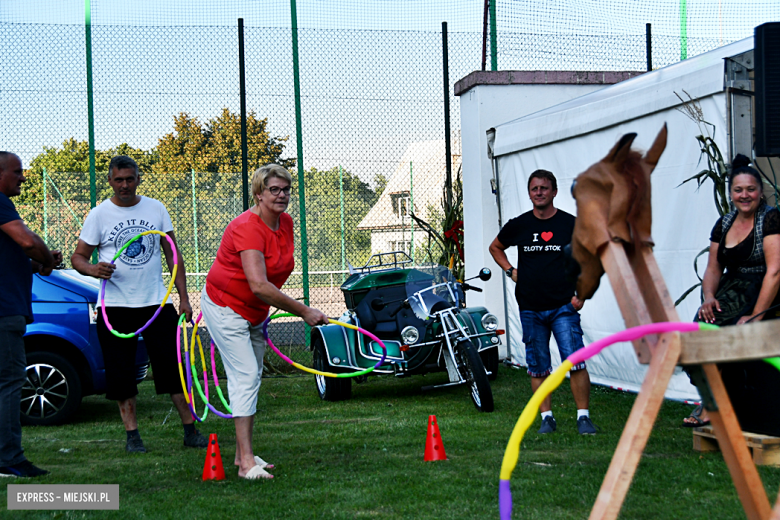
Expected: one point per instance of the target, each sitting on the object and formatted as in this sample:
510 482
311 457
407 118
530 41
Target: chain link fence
372 117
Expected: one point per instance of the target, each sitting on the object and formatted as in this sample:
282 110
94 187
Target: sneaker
548 425
135 445
585 426
24 469
195 440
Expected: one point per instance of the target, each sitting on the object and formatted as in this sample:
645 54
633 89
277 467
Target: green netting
166 91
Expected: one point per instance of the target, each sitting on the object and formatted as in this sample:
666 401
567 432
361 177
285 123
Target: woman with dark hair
746 244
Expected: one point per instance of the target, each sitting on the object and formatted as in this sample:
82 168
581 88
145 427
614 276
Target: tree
380 183
323 217
211 153
211 149
216 146
67 169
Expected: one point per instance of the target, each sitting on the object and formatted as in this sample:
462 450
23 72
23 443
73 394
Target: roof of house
423 168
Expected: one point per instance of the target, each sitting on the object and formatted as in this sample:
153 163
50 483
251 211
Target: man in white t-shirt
134 291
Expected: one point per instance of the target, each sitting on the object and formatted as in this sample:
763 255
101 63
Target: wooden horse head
613 203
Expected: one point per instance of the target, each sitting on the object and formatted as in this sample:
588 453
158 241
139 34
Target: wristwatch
509 272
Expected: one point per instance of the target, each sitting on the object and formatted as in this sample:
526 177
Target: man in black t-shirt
18 245
546 299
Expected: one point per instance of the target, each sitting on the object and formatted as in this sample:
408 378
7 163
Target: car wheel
473 371
328 388
52 390
490 360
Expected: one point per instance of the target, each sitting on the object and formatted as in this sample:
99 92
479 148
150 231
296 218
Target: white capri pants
242 347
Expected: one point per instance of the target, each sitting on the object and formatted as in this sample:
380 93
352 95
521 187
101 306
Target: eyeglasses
276 190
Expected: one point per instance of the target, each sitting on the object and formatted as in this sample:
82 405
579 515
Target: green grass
364 458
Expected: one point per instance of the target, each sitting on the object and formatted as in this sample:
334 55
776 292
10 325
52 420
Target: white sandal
257 473
263 464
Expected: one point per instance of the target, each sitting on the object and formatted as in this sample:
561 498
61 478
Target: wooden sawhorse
643 298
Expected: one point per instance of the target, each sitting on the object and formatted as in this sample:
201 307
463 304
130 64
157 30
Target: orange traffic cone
434 448
212 469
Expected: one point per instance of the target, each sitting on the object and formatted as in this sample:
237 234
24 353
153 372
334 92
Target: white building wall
482 107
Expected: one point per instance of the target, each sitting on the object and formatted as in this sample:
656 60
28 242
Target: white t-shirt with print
137 280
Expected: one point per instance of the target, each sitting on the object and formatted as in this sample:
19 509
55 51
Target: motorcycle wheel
473 371
490 360
328 388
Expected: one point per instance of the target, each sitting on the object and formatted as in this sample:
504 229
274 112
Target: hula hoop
554 380
318 372
190 369
187 387
205 397
170 286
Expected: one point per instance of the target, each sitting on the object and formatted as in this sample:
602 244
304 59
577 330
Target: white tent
569 137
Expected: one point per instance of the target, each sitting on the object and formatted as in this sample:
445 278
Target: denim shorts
564 323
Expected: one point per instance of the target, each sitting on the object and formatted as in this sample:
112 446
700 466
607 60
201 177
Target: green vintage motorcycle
419 313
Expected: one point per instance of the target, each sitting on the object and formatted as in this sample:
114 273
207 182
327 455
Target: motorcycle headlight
410 335
490 322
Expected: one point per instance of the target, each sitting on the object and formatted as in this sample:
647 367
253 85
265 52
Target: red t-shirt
226 283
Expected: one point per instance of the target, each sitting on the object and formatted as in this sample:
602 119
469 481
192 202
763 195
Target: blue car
64 360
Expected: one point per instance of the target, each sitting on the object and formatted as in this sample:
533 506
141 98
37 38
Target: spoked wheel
473 371
51 392
328 388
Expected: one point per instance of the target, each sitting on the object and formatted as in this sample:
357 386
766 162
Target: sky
371 70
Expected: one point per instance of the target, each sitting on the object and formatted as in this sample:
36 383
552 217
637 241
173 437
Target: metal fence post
45 211
341 204
649 45
447 150
242 95
90 110
493 37
195 232
683 30
411 205
299 146
484 33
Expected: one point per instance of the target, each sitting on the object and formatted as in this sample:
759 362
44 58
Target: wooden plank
743 471
654 292
637 430
765 449
752 439
704 443
755 340
765 455
629 298
651 283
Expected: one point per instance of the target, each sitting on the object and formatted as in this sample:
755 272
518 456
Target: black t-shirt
16 272
541 284
739 255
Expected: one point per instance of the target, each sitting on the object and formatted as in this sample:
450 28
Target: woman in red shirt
254 260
